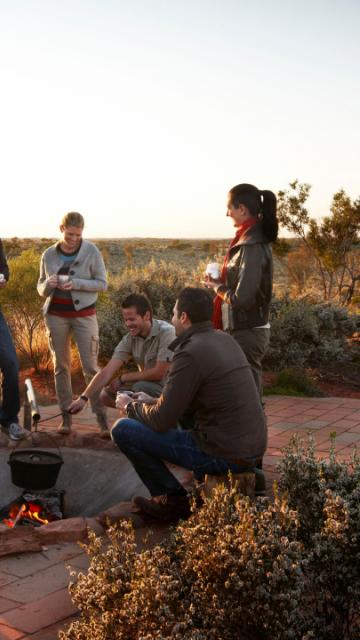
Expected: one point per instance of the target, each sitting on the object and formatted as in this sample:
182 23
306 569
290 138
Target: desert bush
23 309
326 497
179 245
231 570
236 569
308 335
160 281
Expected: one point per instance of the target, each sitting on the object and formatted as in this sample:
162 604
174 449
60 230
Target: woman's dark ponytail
270 223
261 204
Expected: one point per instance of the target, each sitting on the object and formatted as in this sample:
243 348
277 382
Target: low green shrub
293 382
306 335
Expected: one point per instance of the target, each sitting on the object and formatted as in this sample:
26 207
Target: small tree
23 306
333 242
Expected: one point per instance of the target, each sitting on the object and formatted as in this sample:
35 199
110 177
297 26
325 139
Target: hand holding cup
122 399
212 275
52 281
213 270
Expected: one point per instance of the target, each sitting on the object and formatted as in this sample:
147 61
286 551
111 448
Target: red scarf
217 318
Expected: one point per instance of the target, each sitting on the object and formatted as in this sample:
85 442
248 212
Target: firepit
93 480
97 480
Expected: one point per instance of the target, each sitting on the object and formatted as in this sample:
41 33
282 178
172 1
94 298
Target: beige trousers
85 332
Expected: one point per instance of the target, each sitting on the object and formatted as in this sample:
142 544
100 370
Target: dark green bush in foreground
237 570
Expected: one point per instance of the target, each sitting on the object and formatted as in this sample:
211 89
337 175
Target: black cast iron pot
34 468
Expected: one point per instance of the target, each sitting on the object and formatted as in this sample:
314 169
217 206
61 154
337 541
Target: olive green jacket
211 379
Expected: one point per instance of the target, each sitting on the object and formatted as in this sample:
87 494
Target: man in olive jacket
209 378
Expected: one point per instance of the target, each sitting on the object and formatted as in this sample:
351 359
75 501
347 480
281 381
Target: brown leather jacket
248 287
210 378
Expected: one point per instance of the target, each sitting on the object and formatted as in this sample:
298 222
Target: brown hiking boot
102 422
166 508
65 426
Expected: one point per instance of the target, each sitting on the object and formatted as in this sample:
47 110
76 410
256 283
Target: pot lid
35 456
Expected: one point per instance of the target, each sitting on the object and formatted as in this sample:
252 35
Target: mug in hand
63 279
213 270
120 397
2 277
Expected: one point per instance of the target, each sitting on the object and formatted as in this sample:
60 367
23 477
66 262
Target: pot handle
31 435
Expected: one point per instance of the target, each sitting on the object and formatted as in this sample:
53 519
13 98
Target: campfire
33 509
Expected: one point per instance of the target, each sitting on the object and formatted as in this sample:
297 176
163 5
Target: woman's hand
211 283
66 286
52 281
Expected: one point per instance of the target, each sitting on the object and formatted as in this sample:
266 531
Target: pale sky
142 114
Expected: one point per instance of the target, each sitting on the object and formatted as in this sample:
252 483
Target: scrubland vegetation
315 311
285 569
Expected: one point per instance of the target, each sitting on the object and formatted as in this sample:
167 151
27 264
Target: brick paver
34 601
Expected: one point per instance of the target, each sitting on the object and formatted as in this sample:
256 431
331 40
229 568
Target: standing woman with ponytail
244 289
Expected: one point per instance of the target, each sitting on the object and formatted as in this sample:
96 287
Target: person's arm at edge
3 262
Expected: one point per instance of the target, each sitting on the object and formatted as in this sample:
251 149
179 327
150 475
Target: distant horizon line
94 238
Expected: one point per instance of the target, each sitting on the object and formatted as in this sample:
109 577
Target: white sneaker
16 432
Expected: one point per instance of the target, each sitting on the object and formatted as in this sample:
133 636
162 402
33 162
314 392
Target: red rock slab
121 511
67 530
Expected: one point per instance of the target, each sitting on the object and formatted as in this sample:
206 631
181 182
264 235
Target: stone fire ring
99 482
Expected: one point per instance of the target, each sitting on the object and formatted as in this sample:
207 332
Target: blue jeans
146 450
10 376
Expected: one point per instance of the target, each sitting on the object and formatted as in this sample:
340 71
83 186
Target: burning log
33 508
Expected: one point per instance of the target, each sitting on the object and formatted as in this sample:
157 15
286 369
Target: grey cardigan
88 274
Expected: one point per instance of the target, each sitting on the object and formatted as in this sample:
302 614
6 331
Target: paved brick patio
34 602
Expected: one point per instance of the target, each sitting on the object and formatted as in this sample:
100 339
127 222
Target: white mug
213 270
2 277
62 279
120 396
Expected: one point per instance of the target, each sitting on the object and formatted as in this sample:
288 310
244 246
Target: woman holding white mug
72 272
244 288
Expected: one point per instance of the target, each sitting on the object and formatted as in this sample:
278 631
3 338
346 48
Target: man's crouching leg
146 450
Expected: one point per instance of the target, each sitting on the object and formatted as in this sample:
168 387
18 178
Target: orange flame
28 510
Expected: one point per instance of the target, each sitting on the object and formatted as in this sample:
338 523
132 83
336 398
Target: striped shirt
62 303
